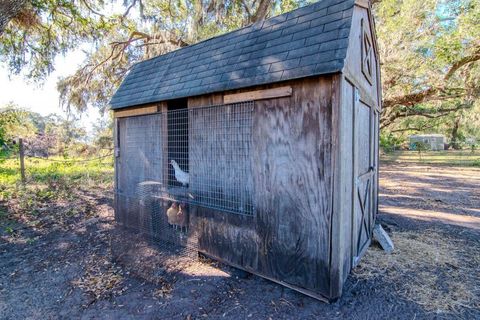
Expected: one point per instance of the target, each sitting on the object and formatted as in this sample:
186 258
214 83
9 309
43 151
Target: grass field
53 182
448 158
41 171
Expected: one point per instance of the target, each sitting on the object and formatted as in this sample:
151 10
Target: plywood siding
366 125
363 166
231 238
289 159
288 237
356 167
341 234
293 180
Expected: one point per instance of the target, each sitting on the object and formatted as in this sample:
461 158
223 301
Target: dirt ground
74 268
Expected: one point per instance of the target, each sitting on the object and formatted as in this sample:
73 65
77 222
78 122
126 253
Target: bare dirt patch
82 266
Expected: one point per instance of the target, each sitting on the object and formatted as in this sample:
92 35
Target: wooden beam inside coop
284 91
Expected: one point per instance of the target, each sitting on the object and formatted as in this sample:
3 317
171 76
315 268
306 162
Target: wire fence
16 155
71 160
21 156
175 167
201 156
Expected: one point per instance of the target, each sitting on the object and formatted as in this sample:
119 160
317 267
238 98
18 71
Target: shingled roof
308 41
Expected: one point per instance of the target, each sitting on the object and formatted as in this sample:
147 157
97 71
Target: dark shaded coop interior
177 133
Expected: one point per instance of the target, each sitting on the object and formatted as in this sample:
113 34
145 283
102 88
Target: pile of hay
439 273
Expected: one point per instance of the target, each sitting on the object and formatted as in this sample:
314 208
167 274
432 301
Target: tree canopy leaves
429 52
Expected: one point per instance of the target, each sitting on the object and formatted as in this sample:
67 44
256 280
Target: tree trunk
197 21
455 143
262 10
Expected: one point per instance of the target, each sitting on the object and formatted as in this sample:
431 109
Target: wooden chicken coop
259 147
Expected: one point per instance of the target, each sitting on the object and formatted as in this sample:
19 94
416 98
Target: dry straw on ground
428 269
101 280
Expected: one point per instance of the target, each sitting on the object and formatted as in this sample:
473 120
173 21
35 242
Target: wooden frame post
22 160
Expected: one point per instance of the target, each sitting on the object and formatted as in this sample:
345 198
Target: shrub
389 142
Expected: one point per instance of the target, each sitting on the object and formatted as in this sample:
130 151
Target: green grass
47 176
465 158
39 170
53 190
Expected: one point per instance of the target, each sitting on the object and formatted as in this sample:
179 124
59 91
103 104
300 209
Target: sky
44 98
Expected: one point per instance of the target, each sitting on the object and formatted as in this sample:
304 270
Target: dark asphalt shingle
308 41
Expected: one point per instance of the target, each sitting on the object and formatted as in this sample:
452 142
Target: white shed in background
436 142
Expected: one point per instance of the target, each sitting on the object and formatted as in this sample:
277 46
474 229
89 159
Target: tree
10 9
103 133
14 123
42 135
43 29
429 52
144 29
169 25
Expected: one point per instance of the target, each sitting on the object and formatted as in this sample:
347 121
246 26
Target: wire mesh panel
178 137
137 168
143 200
171 162
220 157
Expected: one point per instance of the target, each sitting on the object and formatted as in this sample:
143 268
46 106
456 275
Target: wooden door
365 176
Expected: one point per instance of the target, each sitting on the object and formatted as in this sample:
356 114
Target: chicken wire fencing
170 165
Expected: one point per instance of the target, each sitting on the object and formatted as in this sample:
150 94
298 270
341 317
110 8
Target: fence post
22 159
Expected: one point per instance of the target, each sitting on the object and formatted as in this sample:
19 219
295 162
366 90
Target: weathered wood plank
347 175
229 236
365 177
205 100
279 281
363 3
341 234
135 111
279 92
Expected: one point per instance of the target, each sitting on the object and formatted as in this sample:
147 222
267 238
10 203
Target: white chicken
180 175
